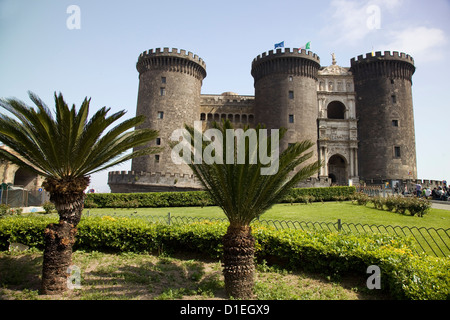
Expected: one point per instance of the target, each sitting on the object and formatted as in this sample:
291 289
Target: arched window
336 110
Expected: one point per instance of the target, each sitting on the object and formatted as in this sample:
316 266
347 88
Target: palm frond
241 190
68 144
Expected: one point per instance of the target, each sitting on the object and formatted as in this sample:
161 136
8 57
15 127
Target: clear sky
97 58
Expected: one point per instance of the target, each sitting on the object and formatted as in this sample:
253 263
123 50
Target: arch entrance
337 170
25 178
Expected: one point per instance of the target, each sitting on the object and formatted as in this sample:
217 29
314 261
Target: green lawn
317 212
134 276
355 219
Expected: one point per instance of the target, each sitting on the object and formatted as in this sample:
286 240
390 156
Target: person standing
418 189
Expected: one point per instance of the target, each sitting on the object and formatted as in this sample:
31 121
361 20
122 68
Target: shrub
202 198
378 202
48 207
6 210
360 198
320 194
419 207
392 203
89 203
404 275
399 204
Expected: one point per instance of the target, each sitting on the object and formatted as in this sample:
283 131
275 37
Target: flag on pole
279 45
373 53
307 46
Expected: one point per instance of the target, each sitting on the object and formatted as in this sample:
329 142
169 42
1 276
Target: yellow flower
108 218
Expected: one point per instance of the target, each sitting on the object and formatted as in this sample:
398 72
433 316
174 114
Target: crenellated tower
169 96
285 93
384 109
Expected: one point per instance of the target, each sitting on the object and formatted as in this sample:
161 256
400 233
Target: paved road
441 205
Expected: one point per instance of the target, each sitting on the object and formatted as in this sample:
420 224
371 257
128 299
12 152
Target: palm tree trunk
59 238
238 262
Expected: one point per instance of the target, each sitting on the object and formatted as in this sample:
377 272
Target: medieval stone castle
361 117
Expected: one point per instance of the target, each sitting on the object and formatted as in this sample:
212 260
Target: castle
360 118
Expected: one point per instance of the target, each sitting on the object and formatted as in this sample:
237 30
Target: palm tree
244 194
66 150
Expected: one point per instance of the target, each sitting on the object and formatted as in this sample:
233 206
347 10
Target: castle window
392 81
160 115
251 118
163 91
290 78
237 117
210 116
397 152
394 98
158 141
291 118
163 79
230 117
291 94
156 157
395 123
202 116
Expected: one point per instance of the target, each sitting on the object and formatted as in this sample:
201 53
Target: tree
244 194
66 150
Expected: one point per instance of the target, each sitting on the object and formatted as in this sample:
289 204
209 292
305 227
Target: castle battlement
134 174
287 52
214 99
295 62
134 181
395 55
172 60
174 53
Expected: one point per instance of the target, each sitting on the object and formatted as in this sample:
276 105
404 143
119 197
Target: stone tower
286 94
386 120
169 96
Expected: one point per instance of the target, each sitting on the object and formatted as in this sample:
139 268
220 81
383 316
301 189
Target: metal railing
432 241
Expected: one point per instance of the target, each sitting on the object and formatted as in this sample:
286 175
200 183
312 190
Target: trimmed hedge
202 198
404 275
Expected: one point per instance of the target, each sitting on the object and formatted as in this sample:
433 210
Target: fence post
339 225
168 218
